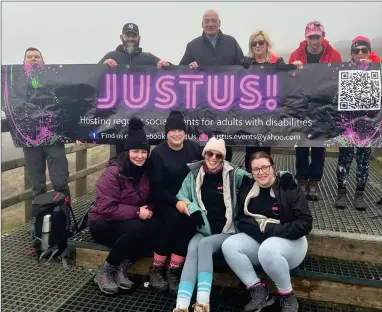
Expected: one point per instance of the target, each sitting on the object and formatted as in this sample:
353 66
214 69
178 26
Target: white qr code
359 90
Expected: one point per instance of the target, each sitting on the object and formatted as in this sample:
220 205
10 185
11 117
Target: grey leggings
277 256
198 265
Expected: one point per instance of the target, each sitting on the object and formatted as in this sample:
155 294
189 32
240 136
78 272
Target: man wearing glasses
314 49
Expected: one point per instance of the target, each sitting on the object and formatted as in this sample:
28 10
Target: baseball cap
314 28
130 27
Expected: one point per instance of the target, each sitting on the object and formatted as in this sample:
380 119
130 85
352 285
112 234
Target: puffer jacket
119 196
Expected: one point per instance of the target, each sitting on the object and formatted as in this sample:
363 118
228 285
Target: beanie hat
215 144
361 41
175 121
136 136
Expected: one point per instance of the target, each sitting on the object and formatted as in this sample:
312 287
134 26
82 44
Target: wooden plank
20 162
14 199
345 246
28 202
113 151
362 296
81 164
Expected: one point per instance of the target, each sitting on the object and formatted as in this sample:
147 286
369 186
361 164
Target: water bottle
46 225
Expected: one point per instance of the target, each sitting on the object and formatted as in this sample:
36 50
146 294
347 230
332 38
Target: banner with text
271 105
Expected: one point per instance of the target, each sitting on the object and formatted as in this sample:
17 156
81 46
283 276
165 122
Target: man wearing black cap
129 53
169 168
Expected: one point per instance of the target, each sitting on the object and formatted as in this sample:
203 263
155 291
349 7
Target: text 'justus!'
219 92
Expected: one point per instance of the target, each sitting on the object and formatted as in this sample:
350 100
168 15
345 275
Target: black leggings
176 233
128 239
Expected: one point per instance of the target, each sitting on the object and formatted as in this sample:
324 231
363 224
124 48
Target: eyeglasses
264 169
255 43
357 50
217 155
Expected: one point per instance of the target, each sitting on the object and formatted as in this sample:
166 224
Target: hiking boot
359 200
259 299
288 303
201 307
121 277
341 199
314 193
157 279
105 279
180 310
304 186
173 279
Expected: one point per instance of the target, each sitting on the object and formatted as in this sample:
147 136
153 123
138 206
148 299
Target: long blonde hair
269 51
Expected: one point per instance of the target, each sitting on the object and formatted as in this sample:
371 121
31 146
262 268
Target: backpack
51 227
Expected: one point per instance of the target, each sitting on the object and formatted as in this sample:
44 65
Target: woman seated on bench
210 192
274 217
121 216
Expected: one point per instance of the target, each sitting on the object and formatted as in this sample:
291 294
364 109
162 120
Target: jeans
310 171
277 256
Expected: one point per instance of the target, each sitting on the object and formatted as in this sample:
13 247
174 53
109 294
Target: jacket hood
285 180
114 162
374 57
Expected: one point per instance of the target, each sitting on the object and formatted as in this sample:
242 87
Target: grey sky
83 32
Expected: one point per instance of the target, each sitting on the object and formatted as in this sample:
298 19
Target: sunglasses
357 50
255 43
264 169
217 155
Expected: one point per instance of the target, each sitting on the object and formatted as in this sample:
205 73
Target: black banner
271 105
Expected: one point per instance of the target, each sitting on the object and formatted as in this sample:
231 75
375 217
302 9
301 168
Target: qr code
359 90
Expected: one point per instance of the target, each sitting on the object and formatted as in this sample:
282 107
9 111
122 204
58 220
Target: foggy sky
69 33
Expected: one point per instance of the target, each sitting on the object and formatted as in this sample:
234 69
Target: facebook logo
94 135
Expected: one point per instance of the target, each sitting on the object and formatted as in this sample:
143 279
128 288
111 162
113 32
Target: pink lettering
129 89
272 85
220 98
248 87
110 97
168 95
191 82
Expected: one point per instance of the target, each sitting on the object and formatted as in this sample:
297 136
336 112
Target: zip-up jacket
329 55
119 196
200 50
191 193
125 59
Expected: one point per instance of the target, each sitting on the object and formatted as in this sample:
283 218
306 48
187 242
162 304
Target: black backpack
52 245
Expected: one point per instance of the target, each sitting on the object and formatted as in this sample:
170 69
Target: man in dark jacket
213 48
37 157
129 53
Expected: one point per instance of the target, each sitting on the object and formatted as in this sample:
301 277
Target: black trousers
128 239
249 151
176 233
314 170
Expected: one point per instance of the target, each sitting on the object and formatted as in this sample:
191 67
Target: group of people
182 203
186 206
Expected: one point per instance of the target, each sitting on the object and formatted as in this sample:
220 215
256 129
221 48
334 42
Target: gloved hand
197 219
246 62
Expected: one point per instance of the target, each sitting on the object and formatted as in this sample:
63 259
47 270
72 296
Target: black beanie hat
175 121
136 135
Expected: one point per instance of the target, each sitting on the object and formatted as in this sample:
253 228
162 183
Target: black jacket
246 62
200 50
124 59
296 220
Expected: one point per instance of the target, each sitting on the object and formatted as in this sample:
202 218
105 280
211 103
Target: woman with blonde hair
260 52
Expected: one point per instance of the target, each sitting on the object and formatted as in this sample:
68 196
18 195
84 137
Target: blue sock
184 296
204 288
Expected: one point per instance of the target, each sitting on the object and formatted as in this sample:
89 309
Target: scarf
217 170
